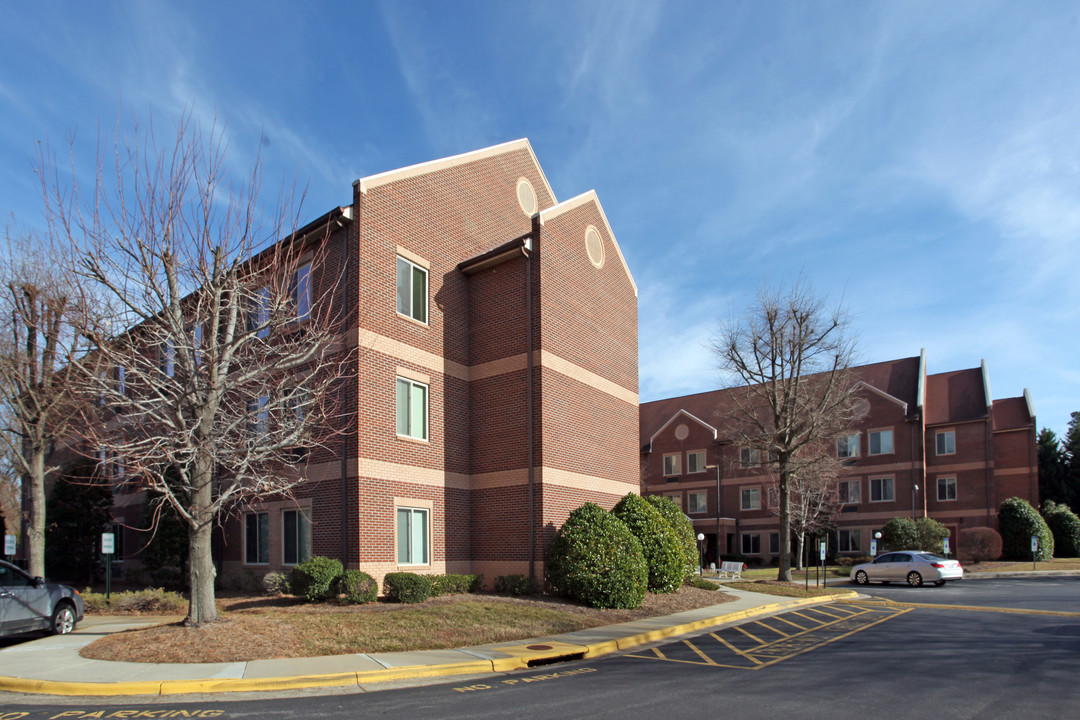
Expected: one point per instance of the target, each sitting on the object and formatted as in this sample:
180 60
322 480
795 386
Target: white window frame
301 291
167 359
301 544
407 273
675 498
672 464
413 515
259 418
943 484
695 462
946 438
849 540
850 485
408 428
261 536
697 503
883 482
774 543
750 499
749 457
845 445
880 435
754 540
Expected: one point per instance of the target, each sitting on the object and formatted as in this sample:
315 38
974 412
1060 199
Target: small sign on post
873 546
9 546
108 546
945 545
1034 550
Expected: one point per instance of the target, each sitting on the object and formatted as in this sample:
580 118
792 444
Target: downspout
532 244
346 387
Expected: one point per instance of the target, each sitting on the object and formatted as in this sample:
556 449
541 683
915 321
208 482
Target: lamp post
914 489
877 539
700 552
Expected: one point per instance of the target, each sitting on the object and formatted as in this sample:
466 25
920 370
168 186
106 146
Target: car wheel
861 578
63 619
939 583
914 579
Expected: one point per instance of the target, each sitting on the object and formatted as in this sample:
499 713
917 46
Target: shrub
596 560
1065 527
275 583
900 534
356 587
931 535
701 583
314 579
661 546
406 587
1017 522
452 584
151 601
684 530
514 585
978 544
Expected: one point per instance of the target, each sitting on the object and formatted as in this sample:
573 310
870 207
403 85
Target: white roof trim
675 417
411 171
986 383
585 198
920 394
883 394
1030 404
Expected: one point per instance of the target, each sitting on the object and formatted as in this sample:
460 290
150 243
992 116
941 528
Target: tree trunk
35 526
202 607
784 572
800 543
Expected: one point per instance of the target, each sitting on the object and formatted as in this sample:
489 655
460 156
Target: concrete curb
520 657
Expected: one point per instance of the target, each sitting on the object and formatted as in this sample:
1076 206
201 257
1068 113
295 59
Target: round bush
684 530
931 535
404 587
979 544
1017 522
900 534
661 546
314 579
357 587
596 560
1065 527
275 583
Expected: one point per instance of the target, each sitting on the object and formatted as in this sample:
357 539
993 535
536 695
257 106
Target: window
258 418
411 290
412 536
167 359
257 538
196 332
301 291
750 457
297 401
774 543
881 442
881 490
849 541
695 502
120 376
751 544
672 465
675 498
259 316
296 540
848 446
751 499
946 442
946 488
695 462
851 492
412 410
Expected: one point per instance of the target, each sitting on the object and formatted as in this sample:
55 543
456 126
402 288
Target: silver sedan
911 566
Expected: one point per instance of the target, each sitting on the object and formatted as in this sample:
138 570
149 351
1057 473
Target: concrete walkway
53 665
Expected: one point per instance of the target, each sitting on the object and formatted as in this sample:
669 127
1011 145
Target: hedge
684 530
1017 522
315 579
406 587
662 548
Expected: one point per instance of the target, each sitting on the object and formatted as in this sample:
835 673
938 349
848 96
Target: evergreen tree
1053 471
78 511
1070 450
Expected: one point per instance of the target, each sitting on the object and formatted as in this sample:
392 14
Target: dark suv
30 603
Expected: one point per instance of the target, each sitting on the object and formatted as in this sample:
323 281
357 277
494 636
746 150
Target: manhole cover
537 647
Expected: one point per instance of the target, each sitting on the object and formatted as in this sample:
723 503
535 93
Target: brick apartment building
933 446
496 333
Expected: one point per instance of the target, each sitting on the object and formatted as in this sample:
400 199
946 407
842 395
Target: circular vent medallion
682 432
594 246
526 197
862 407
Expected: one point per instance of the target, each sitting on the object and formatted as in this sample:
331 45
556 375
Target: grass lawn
255 628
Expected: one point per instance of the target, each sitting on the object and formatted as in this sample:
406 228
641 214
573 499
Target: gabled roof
676 416
384 178
957 396
585 198
1013 413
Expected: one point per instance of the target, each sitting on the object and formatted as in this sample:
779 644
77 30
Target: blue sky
919 161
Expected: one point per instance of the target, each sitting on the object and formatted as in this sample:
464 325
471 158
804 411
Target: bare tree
224 375
814 497
37 310
790 355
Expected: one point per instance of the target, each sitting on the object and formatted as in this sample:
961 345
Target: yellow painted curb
520 657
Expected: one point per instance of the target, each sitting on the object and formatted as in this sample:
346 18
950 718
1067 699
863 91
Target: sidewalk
53 665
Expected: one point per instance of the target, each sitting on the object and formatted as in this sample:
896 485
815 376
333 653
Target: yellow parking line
834 617
708 660
775 630
783 619
749 635
734 649
830 640
981 608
